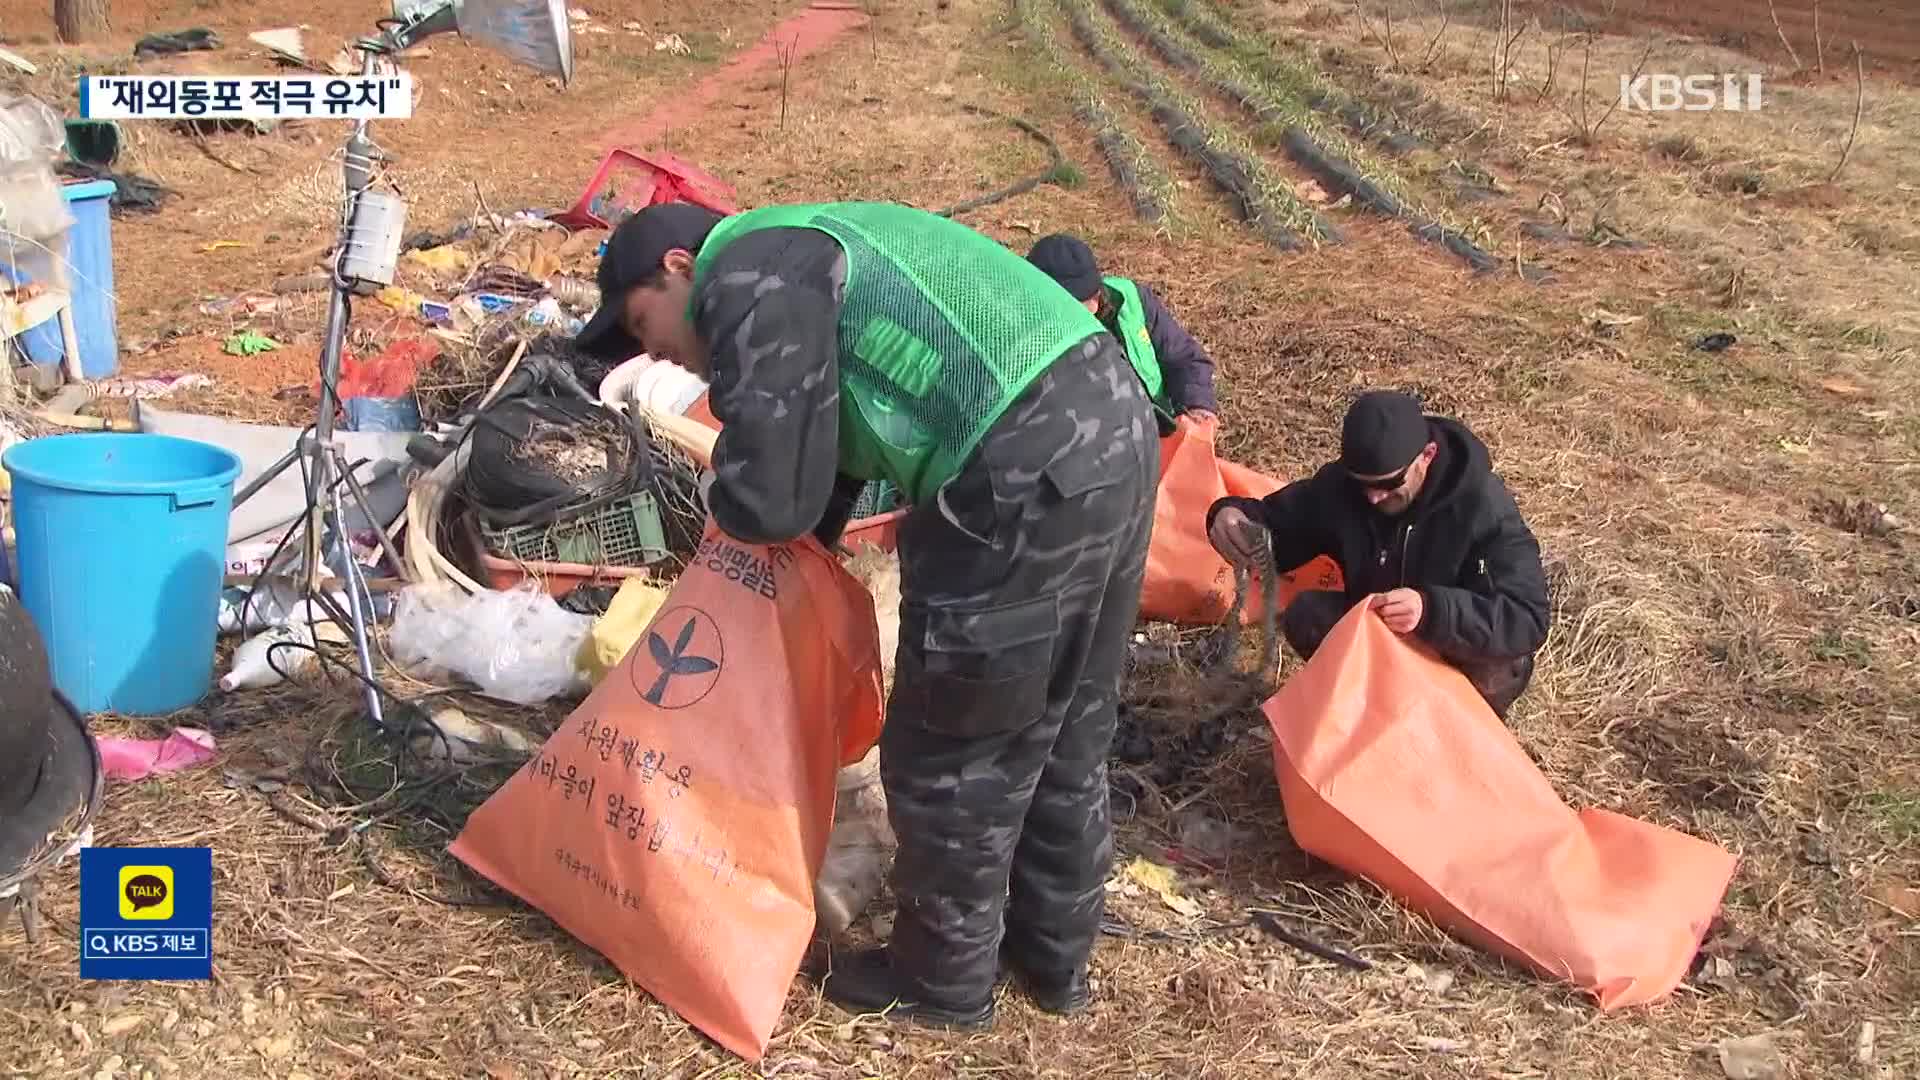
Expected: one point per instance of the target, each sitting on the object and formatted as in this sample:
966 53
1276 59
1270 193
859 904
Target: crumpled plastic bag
137 759
517 645
861 845
859 849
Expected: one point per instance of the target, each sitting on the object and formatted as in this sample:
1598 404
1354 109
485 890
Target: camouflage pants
1020 584
1312 616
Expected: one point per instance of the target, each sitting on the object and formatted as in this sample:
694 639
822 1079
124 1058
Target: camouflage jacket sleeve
768 310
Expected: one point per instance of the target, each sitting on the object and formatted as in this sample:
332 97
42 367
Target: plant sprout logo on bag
683 661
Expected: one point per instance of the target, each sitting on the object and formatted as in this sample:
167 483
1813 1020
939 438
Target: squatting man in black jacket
1417 520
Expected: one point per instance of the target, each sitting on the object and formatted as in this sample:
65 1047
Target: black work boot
1061 995
863 981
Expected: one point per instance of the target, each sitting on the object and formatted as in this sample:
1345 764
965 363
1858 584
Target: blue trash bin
90 275
120 544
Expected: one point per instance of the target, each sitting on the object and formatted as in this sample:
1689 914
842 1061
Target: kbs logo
146 892
1691 93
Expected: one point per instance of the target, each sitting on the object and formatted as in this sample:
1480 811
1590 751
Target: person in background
854 342
1418 521
1176 371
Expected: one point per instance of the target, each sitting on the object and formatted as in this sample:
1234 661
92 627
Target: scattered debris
121 1024
1269 921
157 386
1861 517
15 60
136 759
516 645
131 191
239 307
1436 983
390 373
285 43
452 735
1751 1058
248 343
1608 323
1863 1044
1163 883
672 44
1715 342
1717 972
442 258
198 39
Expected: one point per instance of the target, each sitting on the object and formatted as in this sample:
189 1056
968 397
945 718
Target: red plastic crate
628 182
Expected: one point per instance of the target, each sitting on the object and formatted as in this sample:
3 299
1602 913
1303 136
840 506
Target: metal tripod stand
368 249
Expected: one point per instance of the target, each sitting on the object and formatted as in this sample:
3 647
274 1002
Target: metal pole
323 495
359 604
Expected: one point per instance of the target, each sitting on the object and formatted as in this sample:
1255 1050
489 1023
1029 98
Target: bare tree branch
1638 69
1859 106
1367 30
1391 55
785 57
1553 61
1446 20
1819 46
1797 65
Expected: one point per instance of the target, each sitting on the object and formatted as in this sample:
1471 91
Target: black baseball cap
634 251
1383 433
1068 260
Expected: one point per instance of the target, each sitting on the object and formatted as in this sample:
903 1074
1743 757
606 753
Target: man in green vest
853 342
1176 371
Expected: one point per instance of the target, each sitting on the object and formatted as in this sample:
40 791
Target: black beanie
1383 433
1068 260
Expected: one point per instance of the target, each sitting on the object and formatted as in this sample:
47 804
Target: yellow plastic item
614 634
445 259
404 301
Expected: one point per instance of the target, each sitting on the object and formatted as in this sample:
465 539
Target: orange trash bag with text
1393 768
1187 581
676 821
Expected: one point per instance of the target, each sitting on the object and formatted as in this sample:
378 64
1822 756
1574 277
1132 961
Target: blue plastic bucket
120 544
89 251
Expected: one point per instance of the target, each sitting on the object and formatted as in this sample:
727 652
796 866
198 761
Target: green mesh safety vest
1130 326
940 329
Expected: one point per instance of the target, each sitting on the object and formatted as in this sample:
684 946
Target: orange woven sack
1393 768
1187 581
677 820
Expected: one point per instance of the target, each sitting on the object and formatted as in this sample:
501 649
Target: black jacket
1462 544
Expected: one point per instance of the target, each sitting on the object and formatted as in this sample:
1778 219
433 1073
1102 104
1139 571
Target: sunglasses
1384 483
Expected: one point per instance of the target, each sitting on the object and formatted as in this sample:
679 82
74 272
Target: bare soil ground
1734 652
1889 33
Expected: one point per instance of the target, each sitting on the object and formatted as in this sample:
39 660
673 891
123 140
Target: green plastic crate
625 532
877 497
